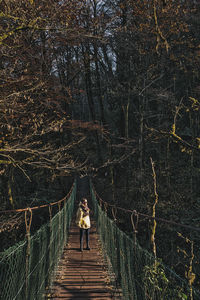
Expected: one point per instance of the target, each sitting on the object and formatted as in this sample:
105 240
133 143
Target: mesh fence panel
139 275
26 269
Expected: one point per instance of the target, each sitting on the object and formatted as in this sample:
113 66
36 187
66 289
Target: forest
108 89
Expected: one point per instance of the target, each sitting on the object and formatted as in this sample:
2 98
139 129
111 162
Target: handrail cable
136 213
40 206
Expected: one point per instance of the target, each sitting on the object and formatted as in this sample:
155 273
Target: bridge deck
83 275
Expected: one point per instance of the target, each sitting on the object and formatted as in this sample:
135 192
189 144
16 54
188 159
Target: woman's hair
84 200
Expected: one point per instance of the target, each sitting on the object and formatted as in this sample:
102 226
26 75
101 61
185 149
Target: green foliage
158 285
155 280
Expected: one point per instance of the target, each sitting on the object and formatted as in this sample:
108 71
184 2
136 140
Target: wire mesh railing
26 268
139 275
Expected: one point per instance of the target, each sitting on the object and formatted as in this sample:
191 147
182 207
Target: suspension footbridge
48 265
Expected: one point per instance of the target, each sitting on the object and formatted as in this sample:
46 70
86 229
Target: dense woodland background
108 89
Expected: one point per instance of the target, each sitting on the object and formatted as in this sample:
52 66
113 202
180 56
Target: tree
37 130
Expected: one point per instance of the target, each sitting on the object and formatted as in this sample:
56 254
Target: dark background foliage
99 89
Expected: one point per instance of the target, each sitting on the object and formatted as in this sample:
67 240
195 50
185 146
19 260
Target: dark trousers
82 232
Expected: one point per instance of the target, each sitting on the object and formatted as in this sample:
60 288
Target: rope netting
138 273
26 268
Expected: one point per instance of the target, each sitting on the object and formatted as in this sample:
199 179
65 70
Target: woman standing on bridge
83 222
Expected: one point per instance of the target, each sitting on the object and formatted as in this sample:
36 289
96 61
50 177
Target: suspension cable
145 215
40 206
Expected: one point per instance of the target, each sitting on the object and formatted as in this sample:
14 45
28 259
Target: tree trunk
141 142
98 80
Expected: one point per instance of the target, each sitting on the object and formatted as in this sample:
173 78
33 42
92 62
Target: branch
175 137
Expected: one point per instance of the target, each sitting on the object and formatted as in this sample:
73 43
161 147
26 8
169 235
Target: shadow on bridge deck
83 275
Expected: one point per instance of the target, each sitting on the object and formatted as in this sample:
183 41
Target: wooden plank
82 275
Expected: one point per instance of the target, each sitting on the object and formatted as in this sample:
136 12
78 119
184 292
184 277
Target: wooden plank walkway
83 275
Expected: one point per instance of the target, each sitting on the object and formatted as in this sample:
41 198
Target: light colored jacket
82 219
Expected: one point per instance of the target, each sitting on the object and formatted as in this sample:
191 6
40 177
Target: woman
83 222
